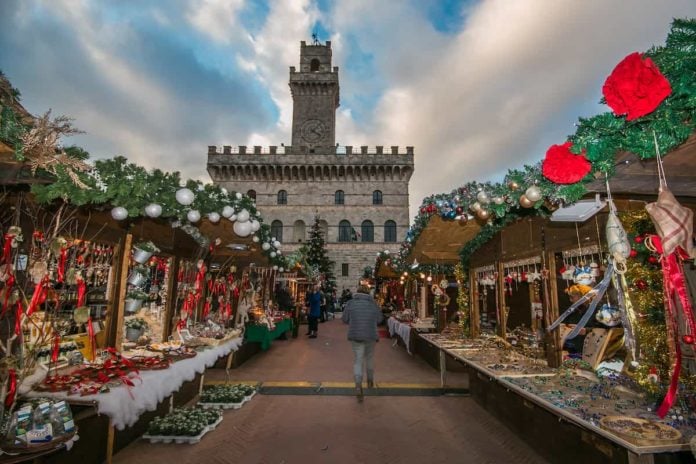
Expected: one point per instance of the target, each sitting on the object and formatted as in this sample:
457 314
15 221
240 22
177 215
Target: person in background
574 346
362 315
323 307
314 303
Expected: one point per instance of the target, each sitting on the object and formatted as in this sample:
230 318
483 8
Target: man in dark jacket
314 303
362 314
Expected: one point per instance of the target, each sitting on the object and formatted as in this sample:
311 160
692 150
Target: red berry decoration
688 339
639 239
633 253
424 210
652 260
640 284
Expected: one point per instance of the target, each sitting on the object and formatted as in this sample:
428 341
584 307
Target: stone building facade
359 193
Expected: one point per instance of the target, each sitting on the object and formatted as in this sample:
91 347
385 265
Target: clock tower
314 91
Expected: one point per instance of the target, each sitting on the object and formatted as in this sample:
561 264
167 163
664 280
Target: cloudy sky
476 86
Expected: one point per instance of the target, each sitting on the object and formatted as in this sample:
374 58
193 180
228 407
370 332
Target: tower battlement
304 150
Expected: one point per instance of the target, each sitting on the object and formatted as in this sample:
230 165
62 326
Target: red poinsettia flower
563 167
635 87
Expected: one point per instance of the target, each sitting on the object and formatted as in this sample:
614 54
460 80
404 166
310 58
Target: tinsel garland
463 300
644 276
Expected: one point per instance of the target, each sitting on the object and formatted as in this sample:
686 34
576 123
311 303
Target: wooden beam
123 286
554 349
170 304
475 311
502 309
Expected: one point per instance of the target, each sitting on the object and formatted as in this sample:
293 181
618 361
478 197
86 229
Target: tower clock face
313 130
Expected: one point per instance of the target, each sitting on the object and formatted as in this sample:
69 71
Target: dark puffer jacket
363 315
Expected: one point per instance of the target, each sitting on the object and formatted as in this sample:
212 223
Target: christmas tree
318 258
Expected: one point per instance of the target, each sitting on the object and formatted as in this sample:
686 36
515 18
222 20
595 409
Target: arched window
345 231
314 65
367 230
299 231
339 197
282 197
277 230
390 231
252 194
377 197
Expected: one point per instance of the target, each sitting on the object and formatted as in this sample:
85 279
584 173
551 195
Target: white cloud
216 19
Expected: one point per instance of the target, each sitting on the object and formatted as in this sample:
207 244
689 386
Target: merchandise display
183 425
39 424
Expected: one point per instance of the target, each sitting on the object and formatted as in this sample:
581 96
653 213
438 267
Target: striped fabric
674 223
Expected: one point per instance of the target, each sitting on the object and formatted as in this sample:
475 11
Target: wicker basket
39 447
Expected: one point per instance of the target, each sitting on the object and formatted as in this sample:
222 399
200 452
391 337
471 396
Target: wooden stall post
170 307
502 308
475 310
554 350
122 287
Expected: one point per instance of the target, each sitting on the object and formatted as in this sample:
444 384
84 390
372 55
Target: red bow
81 292
12 389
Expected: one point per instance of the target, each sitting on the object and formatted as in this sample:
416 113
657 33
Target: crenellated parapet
284 164
303 150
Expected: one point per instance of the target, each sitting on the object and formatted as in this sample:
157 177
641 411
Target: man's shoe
370 384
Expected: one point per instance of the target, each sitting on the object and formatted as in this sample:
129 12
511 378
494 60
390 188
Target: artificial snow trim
561 166
635 87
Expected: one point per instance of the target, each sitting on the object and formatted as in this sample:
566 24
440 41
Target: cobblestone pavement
337 429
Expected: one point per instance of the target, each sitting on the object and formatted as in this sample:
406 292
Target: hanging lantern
526 202
184 196
533 193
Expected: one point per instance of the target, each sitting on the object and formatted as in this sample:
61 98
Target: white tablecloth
124 407
400 329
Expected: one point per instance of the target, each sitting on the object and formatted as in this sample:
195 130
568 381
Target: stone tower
359 193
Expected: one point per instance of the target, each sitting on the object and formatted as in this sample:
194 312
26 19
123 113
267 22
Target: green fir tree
318 258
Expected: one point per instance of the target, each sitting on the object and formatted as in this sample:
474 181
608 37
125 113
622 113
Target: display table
403 330
261 334
506 389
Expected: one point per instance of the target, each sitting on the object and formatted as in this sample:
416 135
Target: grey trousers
364 356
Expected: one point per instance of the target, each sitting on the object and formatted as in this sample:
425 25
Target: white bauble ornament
213 217
256 239
233 218
153 210
266 246
243 229
275 268
184 196
223 190
243 216
238 195
119 213
498 200
278 252
281 269
193 215
276 244
255 225
273 254
227 211
483 197
475 206
533 193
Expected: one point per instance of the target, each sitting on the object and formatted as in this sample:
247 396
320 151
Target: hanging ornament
483 214
464 218
273 254
184 196
498 200
227 211
533 193
232 218
276 244
688 339
475 206
238 195
512 185
483 197
153 210
459 210
266 246
640 284
275 268
632 254
243 229
243 216
255 225
119 213
255 239
193 215
281 269
525 202
214 217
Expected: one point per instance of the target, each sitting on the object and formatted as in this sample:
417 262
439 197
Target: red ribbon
81 292
56 348
7 249
228 309
62 259
181 324
38 297
206 309
12 390
18 318
674 287
92 338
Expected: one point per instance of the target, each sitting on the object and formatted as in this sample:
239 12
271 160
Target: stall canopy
441 240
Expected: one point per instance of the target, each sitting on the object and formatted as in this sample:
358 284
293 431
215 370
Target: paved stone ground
337 429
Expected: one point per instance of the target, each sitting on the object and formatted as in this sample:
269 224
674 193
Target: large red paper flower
563 167
635 87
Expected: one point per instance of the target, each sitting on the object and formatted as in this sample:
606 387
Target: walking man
314 301
362 314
